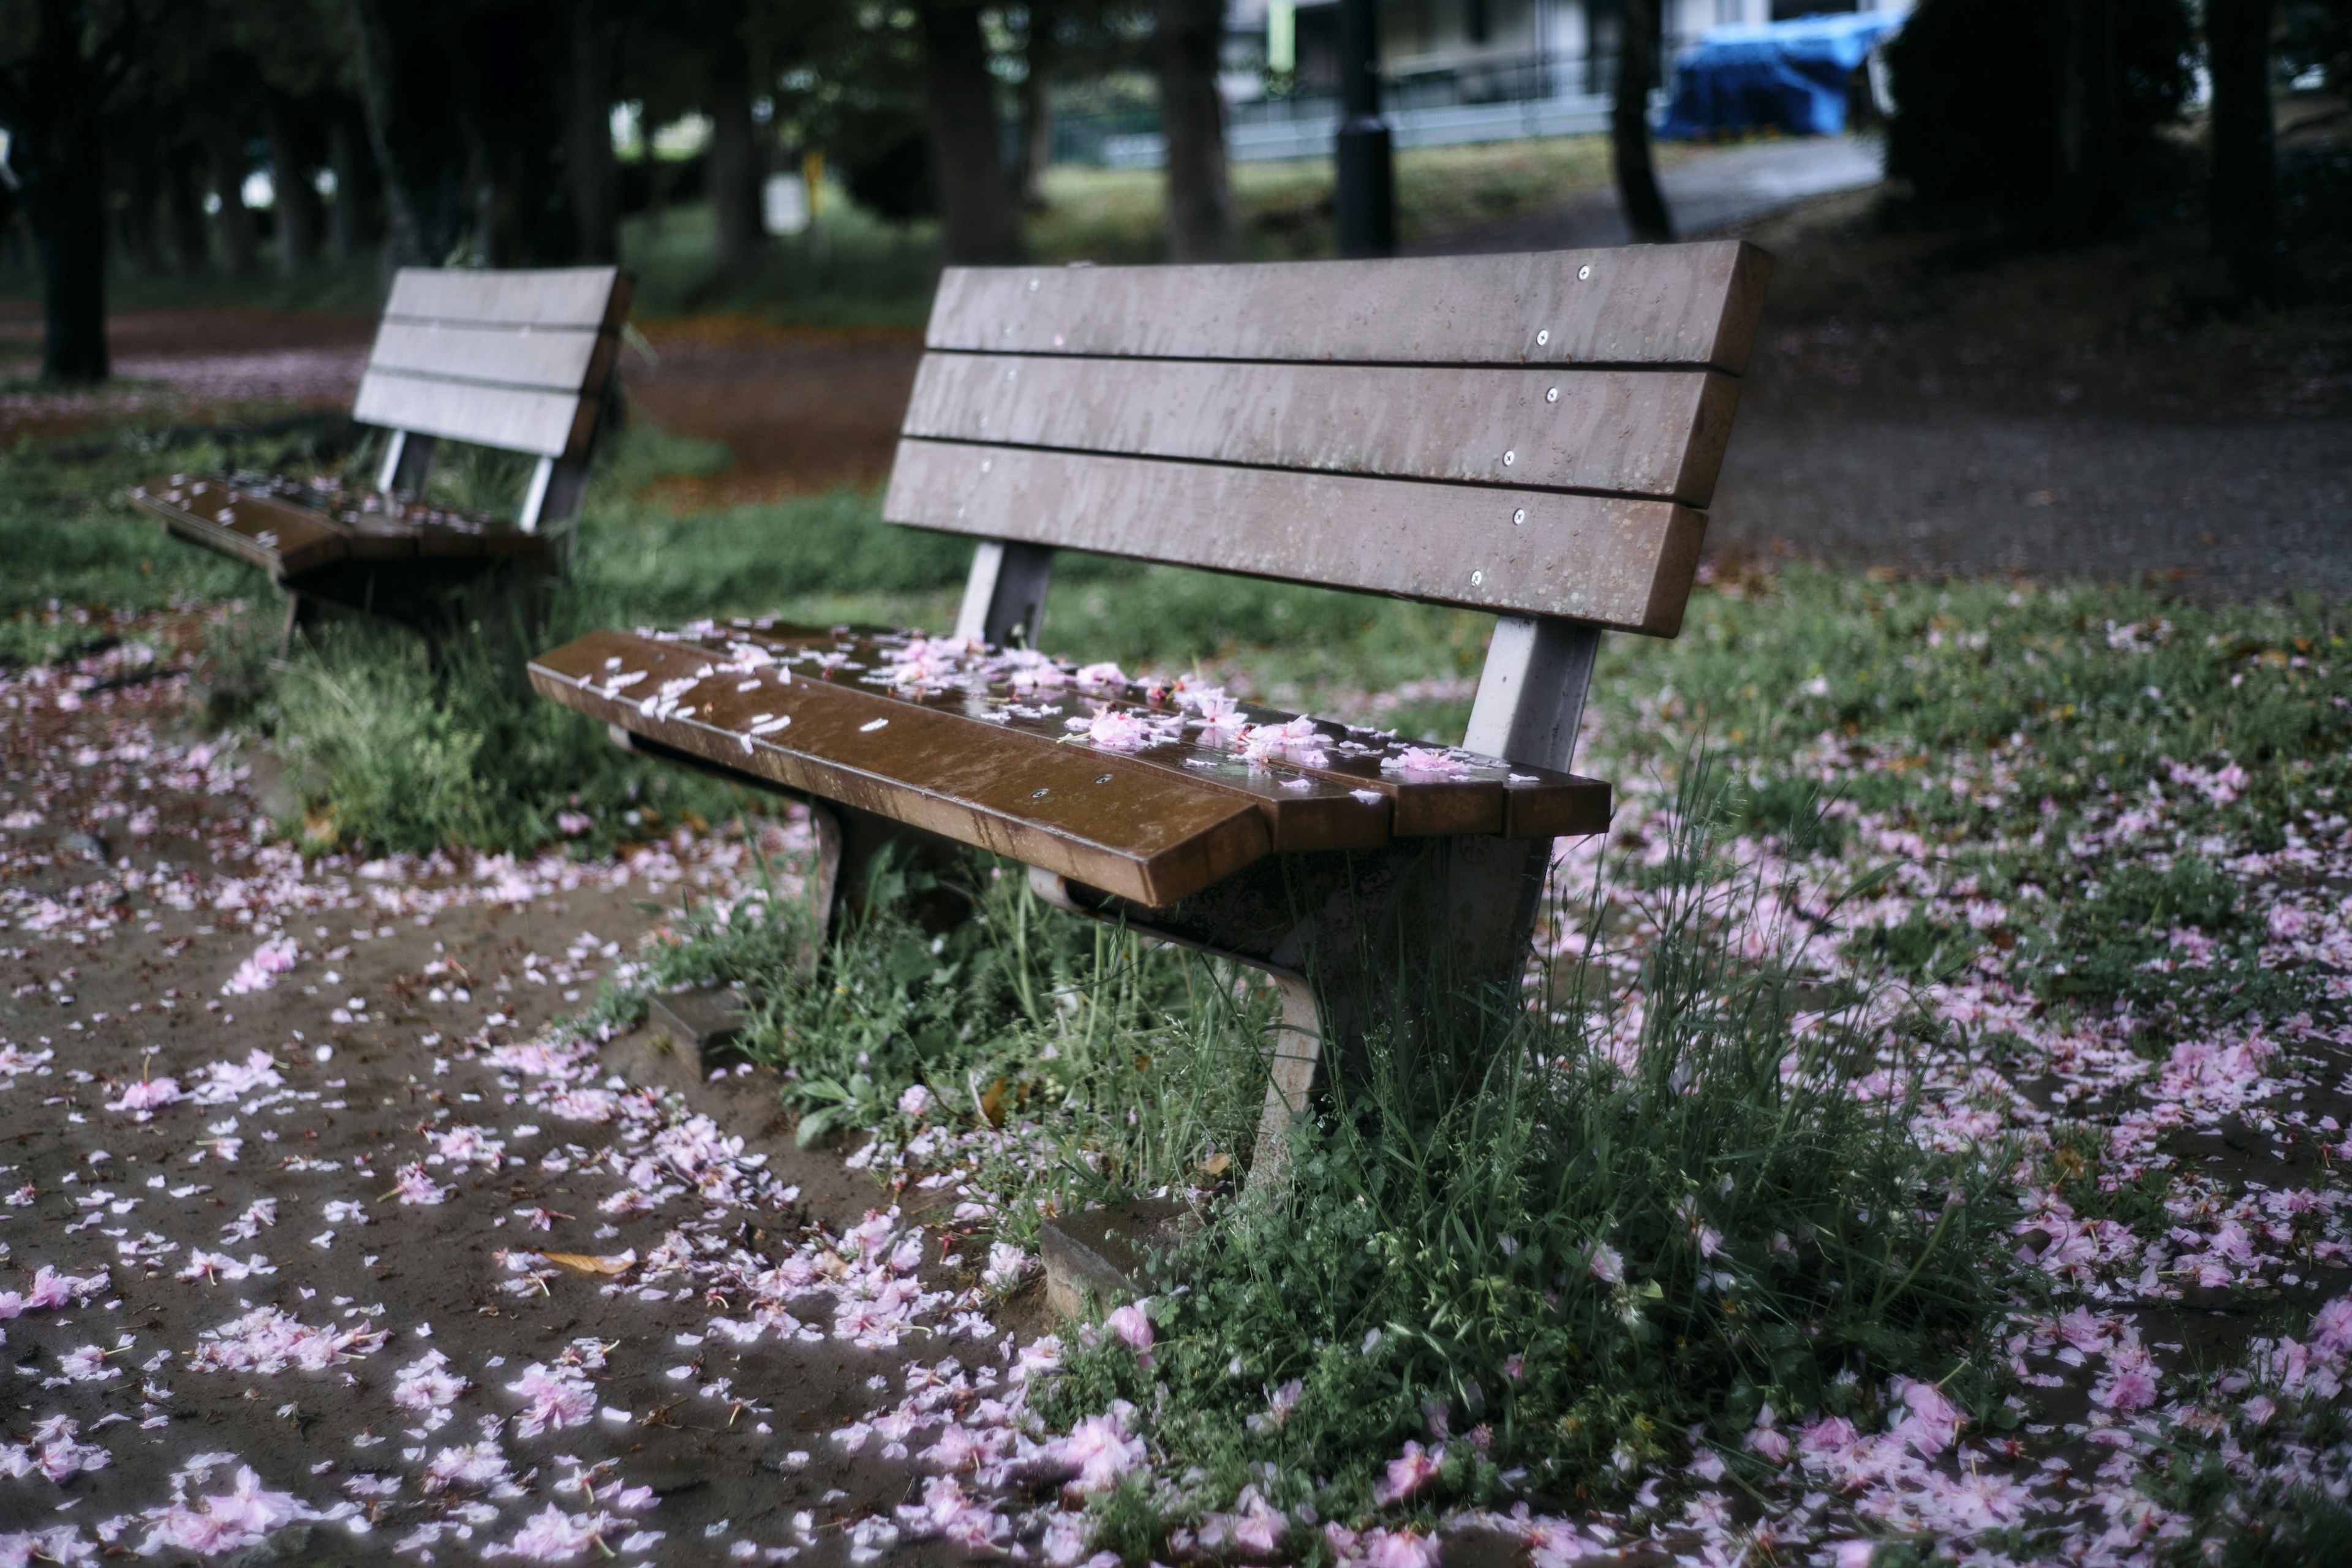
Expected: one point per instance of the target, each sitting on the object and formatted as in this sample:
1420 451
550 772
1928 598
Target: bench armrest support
1531 693
408 464
1004 597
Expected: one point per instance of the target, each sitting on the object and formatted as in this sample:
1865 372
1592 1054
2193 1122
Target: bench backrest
1532 435
520 361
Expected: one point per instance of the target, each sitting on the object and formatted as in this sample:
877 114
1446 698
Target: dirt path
284 1206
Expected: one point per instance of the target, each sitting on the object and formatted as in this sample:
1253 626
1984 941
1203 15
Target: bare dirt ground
268 1181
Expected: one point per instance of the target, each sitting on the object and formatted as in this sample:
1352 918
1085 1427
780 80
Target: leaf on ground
591 1263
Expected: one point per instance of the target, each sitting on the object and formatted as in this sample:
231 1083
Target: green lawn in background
853 268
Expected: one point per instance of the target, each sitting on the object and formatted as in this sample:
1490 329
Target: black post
2244 205
1367 171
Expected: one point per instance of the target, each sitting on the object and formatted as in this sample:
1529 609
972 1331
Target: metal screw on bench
1367 172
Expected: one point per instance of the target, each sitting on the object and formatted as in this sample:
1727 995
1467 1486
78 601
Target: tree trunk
1193 124
346 218
595 182
298 210
2089 195
736 168
53 97
979 222
1645 205
143 212
2242 207
183 203
405 243
70 238
240 243
1037 149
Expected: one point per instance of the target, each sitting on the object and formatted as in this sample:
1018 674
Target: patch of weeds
1556 1245
1917 947
1142 1064
389 752
2171 938
2080 1175
236 677
1790 809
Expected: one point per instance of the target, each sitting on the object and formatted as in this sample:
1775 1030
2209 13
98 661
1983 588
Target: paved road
2230 511
1707 191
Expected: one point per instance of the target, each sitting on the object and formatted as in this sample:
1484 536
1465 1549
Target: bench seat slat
1123 822
552 359
519 419
1301 815
1649 433
282 539
1689 305
1623 564
1467 795
287 539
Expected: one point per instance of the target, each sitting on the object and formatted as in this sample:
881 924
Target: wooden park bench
1531 436
521 362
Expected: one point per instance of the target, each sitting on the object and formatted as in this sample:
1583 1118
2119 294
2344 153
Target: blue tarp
1792 74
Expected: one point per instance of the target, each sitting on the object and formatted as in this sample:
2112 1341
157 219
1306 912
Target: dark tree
2243 205
293 162
1041 53
1193 124
63 60
593 182
413 90
2046 113
980 223
1639 25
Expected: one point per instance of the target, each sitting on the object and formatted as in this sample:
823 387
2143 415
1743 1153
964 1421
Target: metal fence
1497 100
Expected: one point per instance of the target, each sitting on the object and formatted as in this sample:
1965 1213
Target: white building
1456 70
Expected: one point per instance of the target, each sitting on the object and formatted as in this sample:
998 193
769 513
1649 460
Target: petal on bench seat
1147 823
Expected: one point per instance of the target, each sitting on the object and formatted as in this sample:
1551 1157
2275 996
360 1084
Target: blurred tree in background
2045 111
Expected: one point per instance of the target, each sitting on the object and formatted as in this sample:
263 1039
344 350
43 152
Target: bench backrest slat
514 359
1609 561
1684 304
1638 433
1522 434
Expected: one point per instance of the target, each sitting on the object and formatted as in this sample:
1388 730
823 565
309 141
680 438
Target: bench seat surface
289 527
1151 792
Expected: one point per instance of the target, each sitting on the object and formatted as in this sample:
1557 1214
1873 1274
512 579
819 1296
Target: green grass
1443 1211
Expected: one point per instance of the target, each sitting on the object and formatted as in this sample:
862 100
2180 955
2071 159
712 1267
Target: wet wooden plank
1302 813
1437 790
591 297
1618 562
281 538
557 359
1313 778
1648 433
1683 304
289 528
1117 821
516 419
